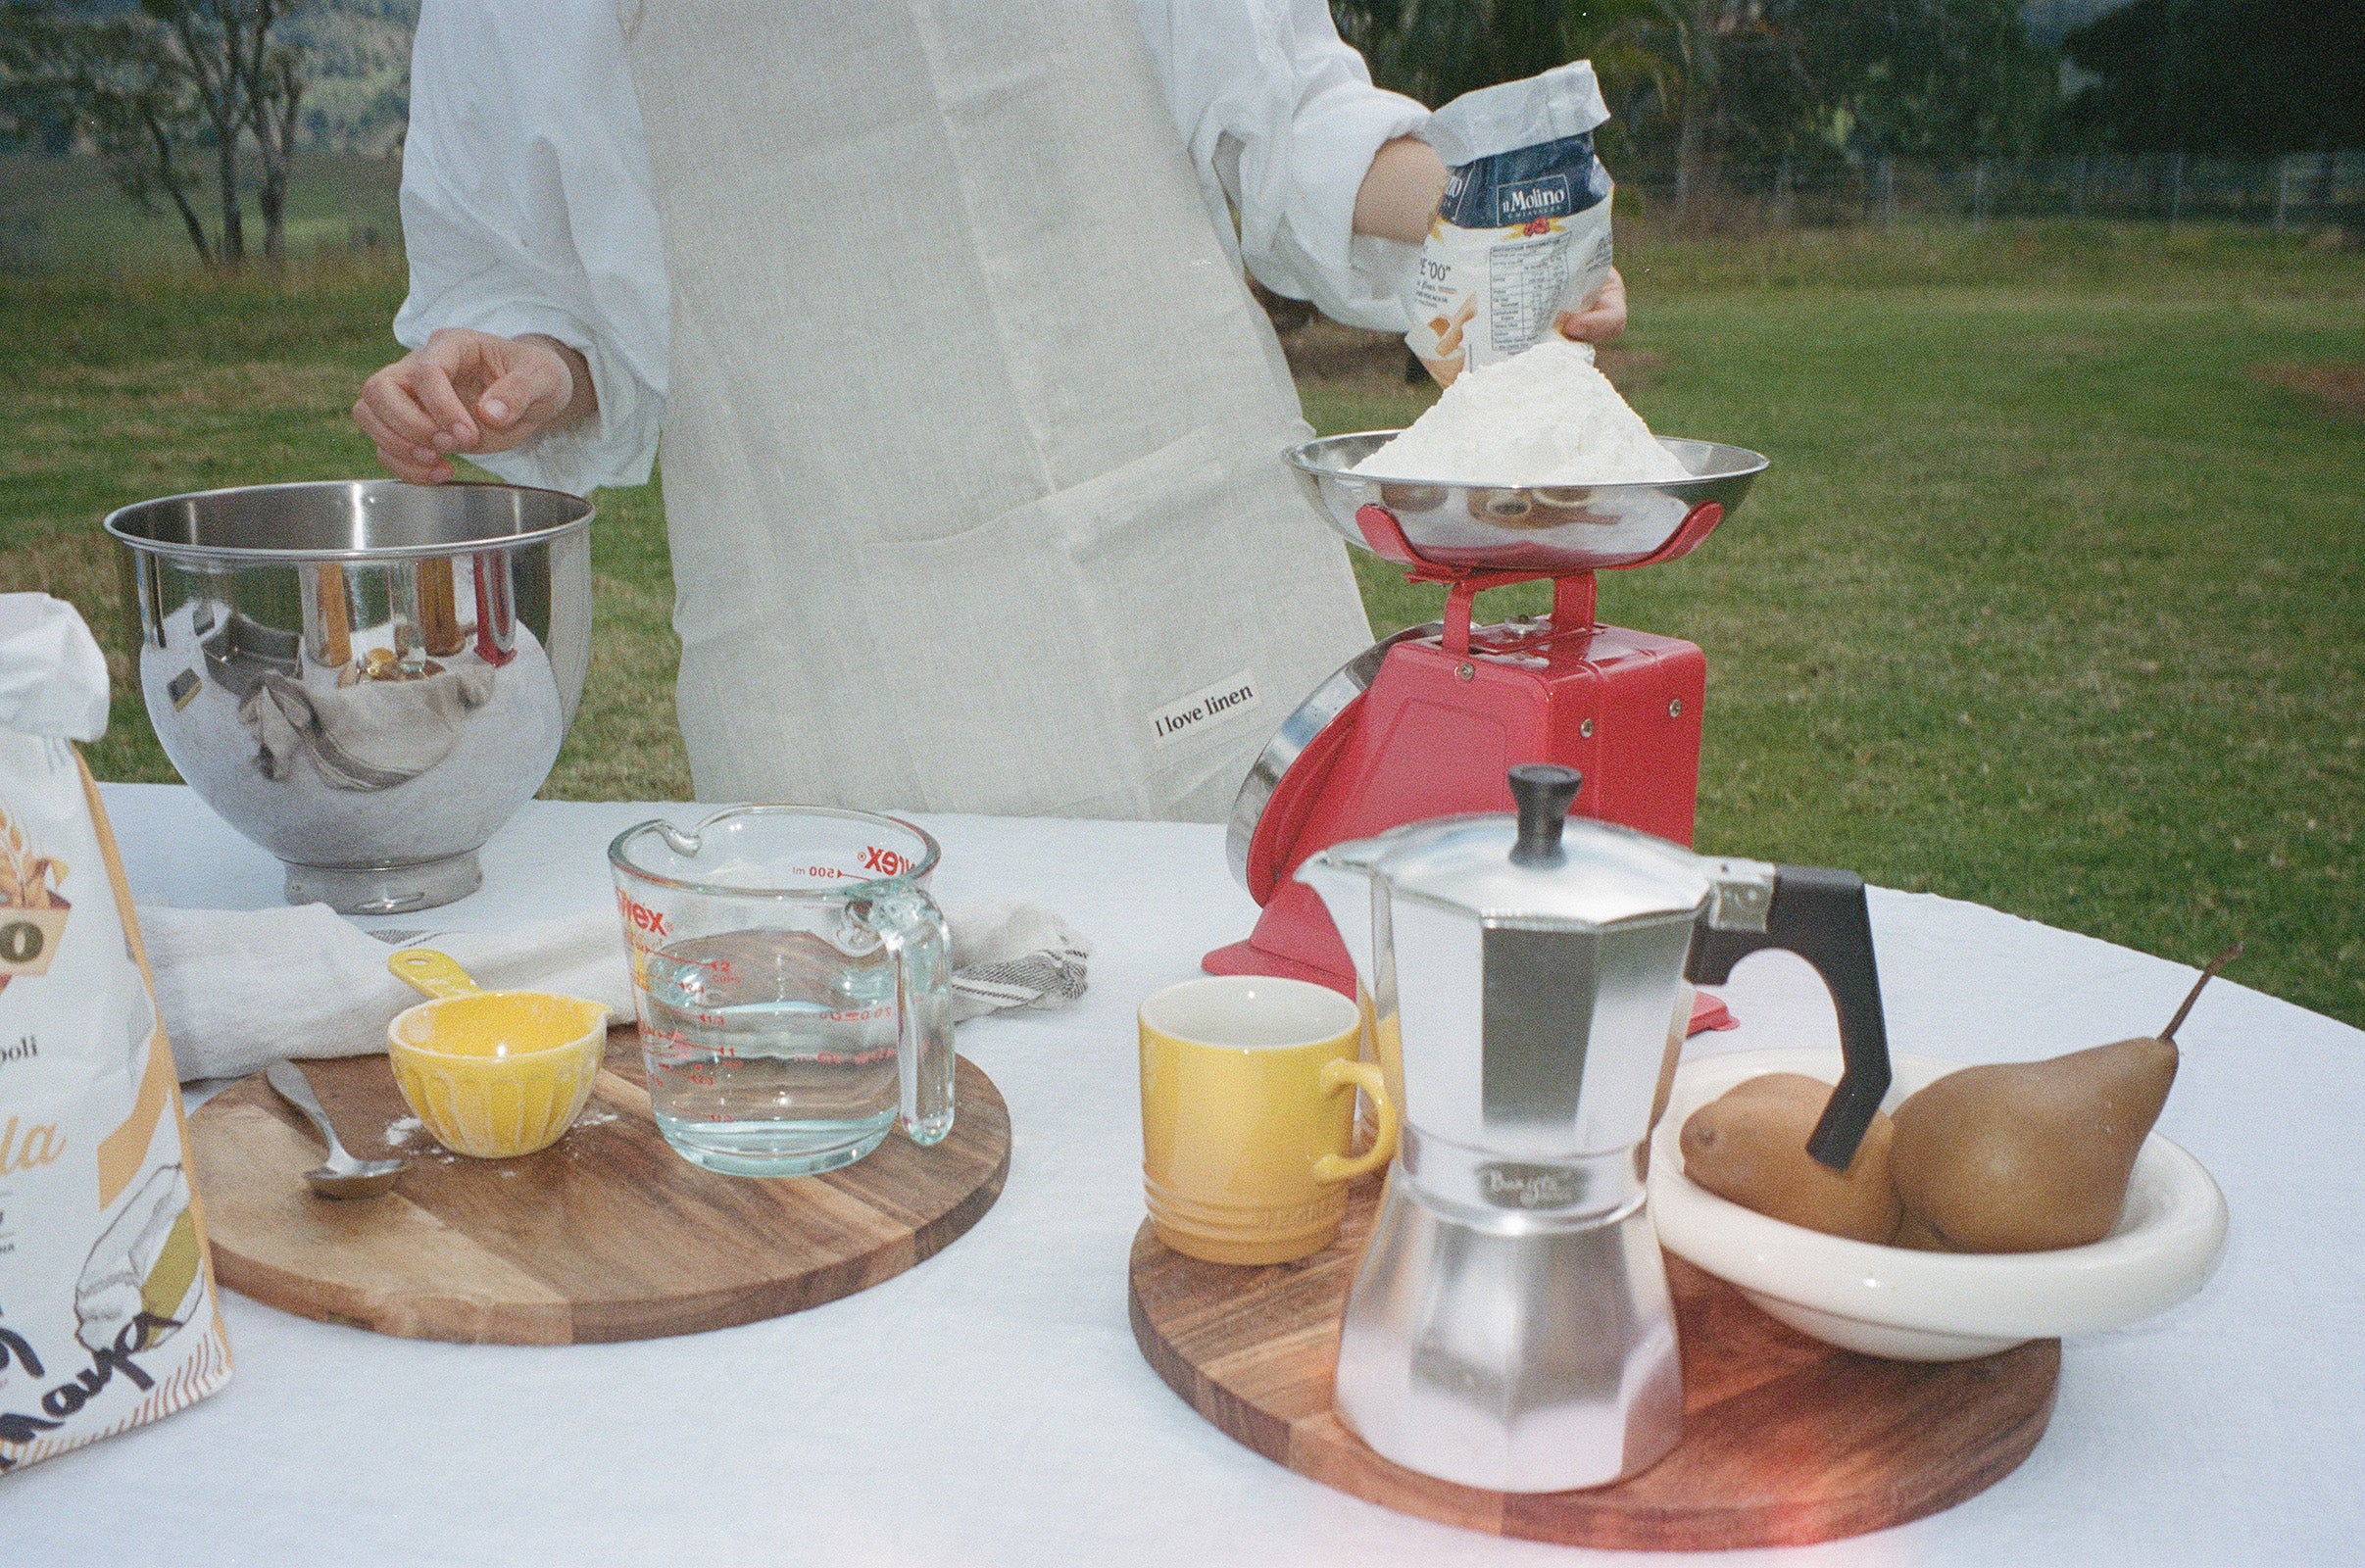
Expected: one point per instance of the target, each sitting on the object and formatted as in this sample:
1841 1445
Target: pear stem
2191 997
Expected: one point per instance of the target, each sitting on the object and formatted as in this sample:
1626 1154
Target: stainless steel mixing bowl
1541 528
364 677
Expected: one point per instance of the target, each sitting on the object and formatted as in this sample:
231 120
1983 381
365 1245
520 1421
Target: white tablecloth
989 1406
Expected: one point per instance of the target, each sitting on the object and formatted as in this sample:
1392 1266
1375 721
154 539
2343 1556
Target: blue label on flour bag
1521 237
1552 180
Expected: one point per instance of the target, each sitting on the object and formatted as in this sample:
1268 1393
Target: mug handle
1340 1073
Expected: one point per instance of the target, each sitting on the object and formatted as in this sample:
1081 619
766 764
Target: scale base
385 889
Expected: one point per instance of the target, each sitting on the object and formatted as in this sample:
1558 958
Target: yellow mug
1247 1114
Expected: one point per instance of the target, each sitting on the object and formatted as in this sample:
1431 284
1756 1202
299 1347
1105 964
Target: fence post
2077 188
2175 189
1782 190
1887 169
1978 193
2282 190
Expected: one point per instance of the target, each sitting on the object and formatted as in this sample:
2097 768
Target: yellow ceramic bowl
498 1073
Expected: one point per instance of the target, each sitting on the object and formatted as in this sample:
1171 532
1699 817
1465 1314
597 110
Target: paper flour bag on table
1522 232
106 1305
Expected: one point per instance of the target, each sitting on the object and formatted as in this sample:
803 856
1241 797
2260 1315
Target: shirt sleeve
526 208
1282 120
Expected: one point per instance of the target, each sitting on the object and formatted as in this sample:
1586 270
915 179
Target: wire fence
2300 191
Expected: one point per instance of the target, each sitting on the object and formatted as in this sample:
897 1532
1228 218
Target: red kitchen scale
1427 722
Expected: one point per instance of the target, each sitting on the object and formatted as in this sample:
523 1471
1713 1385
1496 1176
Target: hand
1601 321
467 392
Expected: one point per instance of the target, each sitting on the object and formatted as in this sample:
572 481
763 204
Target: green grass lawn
64 216
2051 599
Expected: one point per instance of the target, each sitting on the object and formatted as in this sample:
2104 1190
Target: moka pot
1510 1326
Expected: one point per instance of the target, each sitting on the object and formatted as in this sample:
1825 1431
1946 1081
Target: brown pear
2026 1157
1915 1231
1748 1144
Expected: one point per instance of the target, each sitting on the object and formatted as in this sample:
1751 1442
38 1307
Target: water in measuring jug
770 1053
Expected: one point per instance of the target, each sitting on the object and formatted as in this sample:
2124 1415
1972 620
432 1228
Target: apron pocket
1094 653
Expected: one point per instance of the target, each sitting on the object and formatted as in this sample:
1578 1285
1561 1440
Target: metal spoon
343 1176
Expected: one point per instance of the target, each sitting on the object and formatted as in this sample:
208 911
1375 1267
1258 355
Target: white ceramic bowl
1933 1306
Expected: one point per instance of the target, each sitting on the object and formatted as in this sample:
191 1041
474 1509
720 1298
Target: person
973 432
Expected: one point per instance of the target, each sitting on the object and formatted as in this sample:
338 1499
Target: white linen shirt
526 202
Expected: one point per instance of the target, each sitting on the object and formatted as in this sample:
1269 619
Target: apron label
1186 715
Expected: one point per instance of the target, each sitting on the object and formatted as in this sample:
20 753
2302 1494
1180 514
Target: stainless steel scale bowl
1549 529
364 677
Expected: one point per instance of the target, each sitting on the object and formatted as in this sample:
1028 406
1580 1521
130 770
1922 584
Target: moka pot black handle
1821 916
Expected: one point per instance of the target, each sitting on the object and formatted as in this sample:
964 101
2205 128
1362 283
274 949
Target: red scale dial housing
1447 714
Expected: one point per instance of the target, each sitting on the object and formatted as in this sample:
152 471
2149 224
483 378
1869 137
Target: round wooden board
1786 1439
606 1235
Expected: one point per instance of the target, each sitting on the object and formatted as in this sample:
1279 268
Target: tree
114 84
2237 78
1696 64
1723 73
275 97
1706 82
1942 79
155 87
1437 50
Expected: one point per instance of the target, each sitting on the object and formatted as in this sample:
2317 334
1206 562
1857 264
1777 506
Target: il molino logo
1536 198
32 911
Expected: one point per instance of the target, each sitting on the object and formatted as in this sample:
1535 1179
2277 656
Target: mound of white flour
1543 418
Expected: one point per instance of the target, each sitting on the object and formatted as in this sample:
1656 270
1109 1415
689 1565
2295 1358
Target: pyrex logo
886 861
640 916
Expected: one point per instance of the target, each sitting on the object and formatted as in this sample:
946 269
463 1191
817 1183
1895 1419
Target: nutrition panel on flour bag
107 1303
1522 232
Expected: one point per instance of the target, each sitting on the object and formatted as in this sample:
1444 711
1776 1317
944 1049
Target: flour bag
1522 232
106 1305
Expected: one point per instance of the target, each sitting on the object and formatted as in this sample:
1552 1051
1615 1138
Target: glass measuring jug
794 985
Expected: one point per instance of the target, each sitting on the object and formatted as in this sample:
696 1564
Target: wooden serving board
606 1235
1786 1439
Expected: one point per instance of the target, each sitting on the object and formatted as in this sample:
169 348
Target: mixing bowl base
385 889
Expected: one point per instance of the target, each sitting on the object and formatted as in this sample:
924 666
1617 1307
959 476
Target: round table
989 1406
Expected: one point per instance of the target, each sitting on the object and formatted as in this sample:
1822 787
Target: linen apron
972 461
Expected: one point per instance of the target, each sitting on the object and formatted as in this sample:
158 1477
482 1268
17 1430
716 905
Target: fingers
1598 324
398 450
417 411
1601 320
388 402
450 355
536 388
411 404
402 462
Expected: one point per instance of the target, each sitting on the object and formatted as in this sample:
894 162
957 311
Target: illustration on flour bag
1522 232
107 1306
